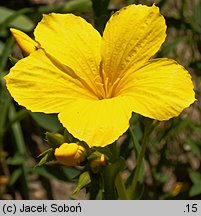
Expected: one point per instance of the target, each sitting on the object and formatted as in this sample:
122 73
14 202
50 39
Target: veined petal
27 44
131 37
41 84
161 89
75 43
98 123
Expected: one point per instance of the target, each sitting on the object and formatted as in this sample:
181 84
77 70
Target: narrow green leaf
49 156
94 155
18 117
20 145
17 159
6 52
78 6
197 16
17 19
195 147
1 47
162 3
44 153
166 49
15 176
17 131
84 180
194 176
13 60
49 122
109 175
195 190
61 173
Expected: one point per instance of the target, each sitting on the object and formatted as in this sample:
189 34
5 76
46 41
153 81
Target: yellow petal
161 89
42 84
75 43
131 37
70 154
24 41
98 122
97 163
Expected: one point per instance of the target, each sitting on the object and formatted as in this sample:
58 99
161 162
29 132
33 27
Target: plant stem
139 164
120 186
136 144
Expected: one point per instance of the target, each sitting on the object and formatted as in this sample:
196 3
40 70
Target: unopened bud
70 154
27 44
97 163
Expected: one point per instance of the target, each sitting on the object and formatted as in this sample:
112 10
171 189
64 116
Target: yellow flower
97 163
70 154
24 41
94 83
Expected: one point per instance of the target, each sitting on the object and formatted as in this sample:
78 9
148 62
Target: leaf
84 180
162 3
95 188
1 47
94 155
159 176
19 20
195 190
49 156
109 175
194 176
49 122
138 192
197 16
57 172
195 148
78 6
6 52
15 176
17 117
166 49
17 159
44 153
13 60
68 137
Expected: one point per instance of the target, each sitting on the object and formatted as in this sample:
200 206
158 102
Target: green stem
132 190
120 186
136 144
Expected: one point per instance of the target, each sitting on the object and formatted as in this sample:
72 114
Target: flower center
107 87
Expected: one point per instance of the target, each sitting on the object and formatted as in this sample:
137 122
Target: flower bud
27 44
97 163
70 154
54 140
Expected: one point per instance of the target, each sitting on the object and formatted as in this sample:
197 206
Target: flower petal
161 89
98 123
131 37
41 84
24 41
74 42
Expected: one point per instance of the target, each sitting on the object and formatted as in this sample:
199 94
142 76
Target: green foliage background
173 156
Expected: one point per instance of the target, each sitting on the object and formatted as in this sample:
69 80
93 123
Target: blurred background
173 156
